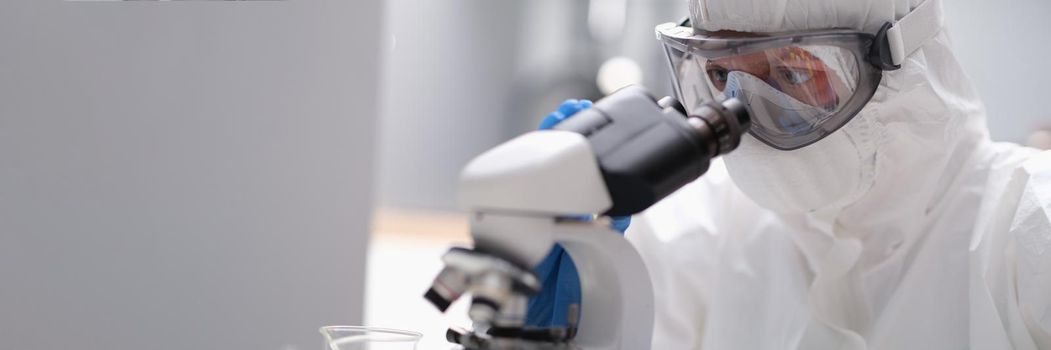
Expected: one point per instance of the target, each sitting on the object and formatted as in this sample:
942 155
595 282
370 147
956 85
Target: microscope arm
521 187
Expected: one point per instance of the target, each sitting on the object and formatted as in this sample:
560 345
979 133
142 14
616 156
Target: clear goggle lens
796 94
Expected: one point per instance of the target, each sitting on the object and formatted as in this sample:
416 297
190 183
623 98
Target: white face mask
833 172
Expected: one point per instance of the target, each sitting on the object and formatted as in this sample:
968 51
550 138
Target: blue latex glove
557 273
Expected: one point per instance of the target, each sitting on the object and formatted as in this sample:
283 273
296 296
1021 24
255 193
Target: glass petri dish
369 338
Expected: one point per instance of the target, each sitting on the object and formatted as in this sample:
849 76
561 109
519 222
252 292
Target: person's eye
795 76
718 75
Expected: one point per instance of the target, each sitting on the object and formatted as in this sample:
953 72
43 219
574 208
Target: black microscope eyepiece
721 124
647 148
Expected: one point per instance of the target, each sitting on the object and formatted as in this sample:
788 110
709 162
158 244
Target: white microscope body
517 193
617 158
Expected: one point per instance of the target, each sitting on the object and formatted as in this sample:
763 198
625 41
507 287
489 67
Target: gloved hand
561 285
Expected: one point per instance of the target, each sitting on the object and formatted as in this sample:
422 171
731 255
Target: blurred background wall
184 175
467 74
464 75
1004 47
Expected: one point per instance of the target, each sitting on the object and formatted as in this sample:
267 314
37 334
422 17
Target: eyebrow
747 63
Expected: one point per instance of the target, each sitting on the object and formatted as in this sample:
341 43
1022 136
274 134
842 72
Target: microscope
625 153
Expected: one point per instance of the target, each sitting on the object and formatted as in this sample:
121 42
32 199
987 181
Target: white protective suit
940 239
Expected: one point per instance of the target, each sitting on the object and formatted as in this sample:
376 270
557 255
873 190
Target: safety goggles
799 87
